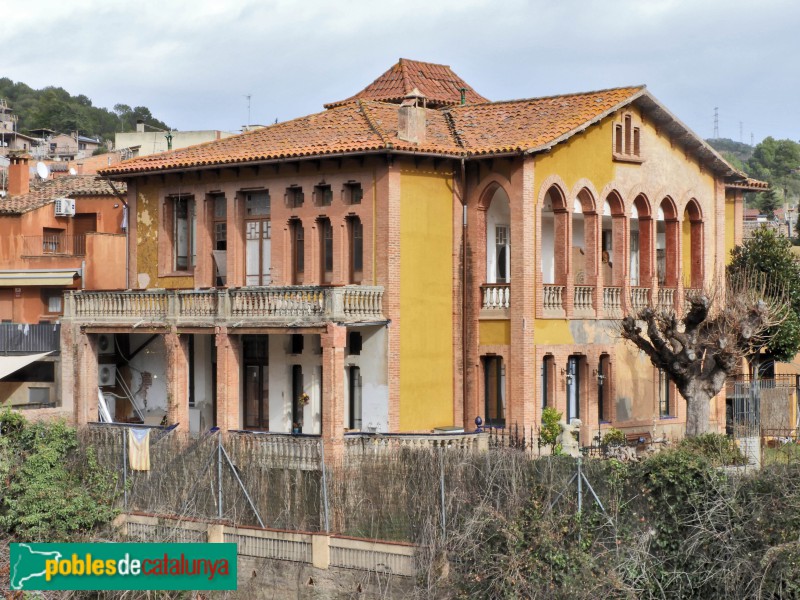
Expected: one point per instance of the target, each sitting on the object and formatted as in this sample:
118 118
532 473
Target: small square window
54 303
323 195
294 197
39 395
353 192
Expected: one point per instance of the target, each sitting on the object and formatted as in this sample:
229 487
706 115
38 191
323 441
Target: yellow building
408 259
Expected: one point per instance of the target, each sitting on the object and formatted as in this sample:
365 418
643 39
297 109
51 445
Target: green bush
614 437
47 498
550 428
718 449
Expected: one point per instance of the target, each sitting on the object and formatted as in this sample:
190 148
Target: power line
716 122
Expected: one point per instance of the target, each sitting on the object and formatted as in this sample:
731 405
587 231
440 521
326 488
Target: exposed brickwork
229 361
86 375
177 348
333 393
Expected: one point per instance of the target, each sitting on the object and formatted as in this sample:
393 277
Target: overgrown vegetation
55 108
53 491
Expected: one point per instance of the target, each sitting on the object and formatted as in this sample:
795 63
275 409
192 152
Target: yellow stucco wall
586 155
552 331
426 300
495 333
147 216
730 223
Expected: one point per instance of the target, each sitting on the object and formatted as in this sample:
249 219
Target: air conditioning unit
105 343
65 207
107 375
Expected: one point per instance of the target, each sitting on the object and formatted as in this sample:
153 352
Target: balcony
242 307
23 338
53 245
495 299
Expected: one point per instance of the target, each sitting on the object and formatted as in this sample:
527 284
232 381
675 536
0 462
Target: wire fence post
124 468
441 490
324 485
219 474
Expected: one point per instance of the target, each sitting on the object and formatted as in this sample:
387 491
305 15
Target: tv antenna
72 171
42 170
248 96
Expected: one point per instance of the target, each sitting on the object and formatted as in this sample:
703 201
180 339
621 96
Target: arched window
612 241
667 243
325 250
641 240
498 239
555 222
584 239
355 240
692 245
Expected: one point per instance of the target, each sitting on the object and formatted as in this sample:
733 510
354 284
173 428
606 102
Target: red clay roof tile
438 83
70 186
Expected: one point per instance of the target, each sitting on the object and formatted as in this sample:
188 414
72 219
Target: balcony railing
54 245
554 300
583 303
243 306
495 296
666 298
612 301
23 338
640 298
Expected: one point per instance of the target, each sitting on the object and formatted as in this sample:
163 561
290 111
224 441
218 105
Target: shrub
718 449
550 428
614 437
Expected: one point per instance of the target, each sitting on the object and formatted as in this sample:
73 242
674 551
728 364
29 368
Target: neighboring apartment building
408 259
10 139
58 234
143 143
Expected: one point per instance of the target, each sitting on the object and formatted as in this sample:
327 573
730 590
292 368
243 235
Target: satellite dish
72 171
42 170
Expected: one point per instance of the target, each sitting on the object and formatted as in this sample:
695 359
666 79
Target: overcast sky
193 62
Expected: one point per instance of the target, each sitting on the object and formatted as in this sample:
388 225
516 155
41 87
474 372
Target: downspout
127 230
464 352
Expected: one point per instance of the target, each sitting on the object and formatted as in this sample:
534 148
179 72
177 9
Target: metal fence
24 338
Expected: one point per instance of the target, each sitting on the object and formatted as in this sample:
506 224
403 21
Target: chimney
19 175
139 126
411 118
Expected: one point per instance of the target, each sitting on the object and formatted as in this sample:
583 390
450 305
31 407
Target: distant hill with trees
774 161
55 108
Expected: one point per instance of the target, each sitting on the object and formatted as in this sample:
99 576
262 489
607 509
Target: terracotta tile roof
359 126
437 83
749 184
520 125
44 192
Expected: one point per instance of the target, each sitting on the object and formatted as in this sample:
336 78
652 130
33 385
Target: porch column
177 372
229 357
85 373
333 343
67 380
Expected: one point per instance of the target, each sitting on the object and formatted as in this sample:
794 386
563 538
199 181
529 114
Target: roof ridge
532 99
373 126
403 76
451 125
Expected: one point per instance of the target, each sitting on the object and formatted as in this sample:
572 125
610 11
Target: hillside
55 108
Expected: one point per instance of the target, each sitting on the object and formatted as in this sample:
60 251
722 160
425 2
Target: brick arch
615 202
668 277
669 207
553 181
487 190
614 264
584 190
694 228
643 207
646 241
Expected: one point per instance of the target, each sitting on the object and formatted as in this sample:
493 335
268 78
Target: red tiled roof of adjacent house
520 125
749 184
438 83
44 192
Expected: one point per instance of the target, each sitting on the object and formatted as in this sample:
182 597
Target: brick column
177 378
522 376
85 372
333 342
204 270
67 380
229 356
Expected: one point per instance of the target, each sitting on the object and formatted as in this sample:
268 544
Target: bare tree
703 347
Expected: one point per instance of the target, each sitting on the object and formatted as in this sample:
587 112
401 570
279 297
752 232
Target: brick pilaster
177 350
228 379
85 370
333 396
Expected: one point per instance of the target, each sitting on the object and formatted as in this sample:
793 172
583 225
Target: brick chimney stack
411 118
19 176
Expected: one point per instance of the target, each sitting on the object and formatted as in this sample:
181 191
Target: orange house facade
407 260
58 234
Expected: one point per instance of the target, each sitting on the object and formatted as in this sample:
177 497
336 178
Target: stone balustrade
303 305
495 296
583 300
666 298
640 298
554 300
612 301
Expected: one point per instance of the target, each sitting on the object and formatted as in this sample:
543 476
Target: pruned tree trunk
698 408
